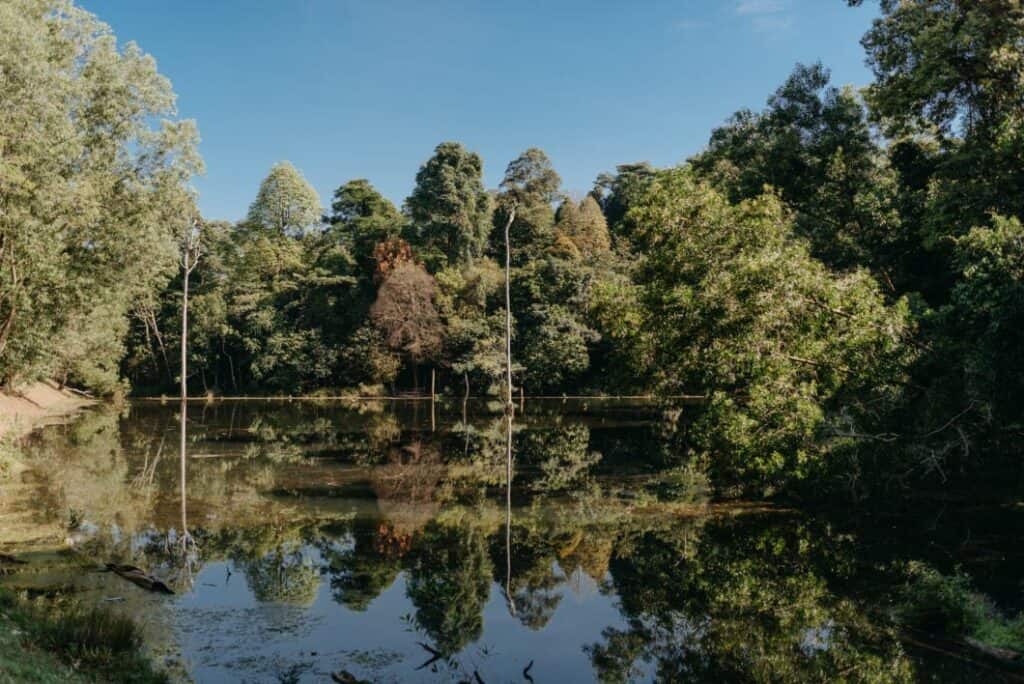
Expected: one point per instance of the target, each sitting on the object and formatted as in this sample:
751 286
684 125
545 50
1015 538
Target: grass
61 640
949 605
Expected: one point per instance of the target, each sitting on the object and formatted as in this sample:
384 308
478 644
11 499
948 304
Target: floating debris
139 577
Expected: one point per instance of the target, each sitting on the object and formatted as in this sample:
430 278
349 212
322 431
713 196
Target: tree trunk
508 515
509 407
465 376
432 384
184 334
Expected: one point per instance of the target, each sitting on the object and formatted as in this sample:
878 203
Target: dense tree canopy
286 203
449 207
93 189
787 353
835 278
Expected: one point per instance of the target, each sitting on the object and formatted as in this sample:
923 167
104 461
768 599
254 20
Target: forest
834 281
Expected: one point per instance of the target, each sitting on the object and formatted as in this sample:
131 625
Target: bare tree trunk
465 376
509 406
231 365
184 332
189 259
509 413
433 372
151 321
508 515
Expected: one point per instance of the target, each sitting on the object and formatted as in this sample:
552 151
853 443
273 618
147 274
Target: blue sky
367 89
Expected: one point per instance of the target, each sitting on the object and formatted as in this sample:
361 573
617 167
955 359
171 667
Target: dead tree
509 406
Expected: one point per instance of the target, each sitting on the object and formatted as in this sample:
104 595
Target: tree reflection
559 459
187 548
745 603
449 580
363 564
525 507
286 574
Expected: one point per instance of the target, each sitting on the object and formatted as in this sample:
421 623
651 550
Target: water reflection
304 539
188 551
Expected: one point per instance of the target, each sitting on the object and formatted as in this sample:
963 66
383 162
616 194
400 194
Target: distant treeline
839 274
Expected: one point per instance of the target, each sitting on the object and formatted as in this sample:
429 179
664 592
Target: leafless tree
190 254
405 312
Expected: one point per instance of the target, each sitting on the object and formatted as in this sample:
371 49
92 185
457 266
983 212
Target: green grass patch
62 640
949 605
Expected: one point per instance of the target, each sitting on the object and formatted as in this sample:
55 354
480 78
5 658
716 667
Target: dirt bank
38 404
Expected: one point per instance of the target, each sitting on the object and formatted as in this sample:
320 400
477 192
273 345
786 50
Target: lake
385 540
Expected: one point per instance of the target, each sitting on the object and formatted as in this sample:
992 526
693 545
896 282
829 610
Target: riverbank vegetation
62 641
838 274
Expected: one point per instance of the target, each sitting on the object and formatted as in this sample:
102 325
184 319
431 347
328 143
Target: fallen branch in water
139 577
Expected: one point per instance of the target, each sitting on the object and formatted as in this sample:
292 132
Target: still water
390 542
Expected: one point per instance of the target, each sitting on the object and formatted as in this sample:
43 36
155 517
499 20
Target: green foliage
96 641
529 187
284 575
950 606
754 610
682 484
986 313
825 290
362 218
616 192
366 358
951 74
789 355
449 208
448 583
945 65
286 203
813 145
474 329
94 179
944 604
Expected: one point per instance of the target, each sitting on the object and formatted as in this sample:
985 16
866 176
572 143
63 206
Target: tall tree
814 146
615 193
362 218
286 203
94 183
581 230
529 188
949 74
449 207
796 362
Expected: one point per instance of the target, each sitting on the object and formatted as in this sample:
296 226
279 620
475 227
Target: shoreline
38 404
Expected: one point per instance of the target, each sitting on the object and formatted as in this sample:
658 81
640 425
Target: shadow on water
403 544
